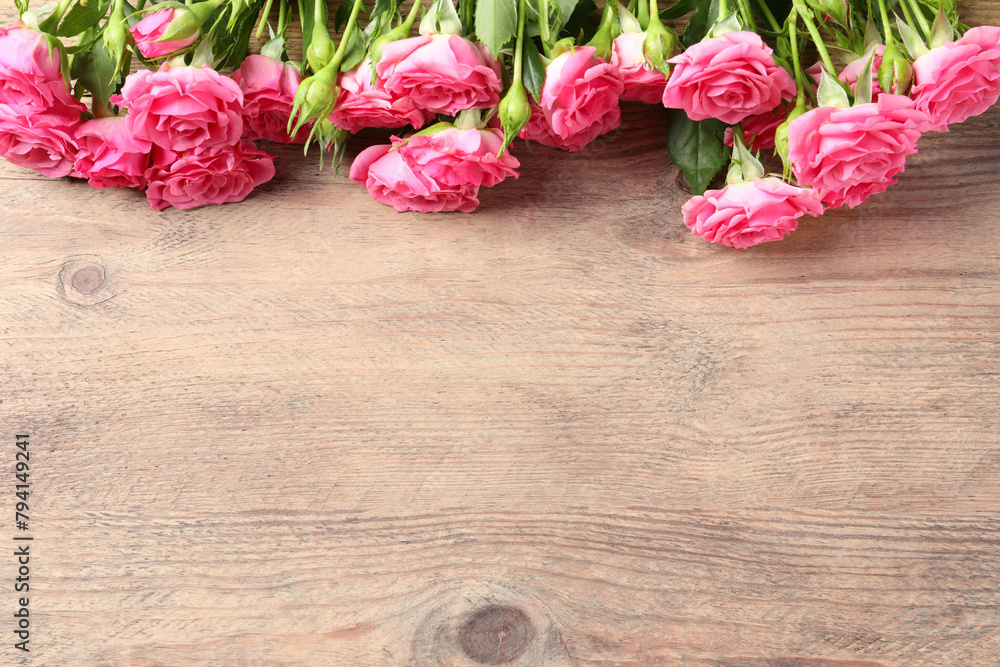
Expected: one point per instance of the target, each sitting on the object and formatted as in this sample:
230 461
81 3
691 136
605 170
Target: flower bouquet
167 98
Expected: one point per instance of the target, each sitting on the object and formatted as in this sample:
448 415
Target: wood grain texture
307 430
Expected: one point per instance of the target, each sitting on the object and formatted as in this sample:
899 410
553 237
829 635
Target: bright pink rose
758 131
852 71
31 82
390 180
33 142
579 101
745 214
180 108
216 175
959 79
457 157
109 156
440 73
849 154
642 82
269 87
150 29
364 104
728 77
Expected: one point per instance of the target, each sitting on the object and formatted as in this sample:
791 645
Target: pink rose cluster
187 136
838 156
185 139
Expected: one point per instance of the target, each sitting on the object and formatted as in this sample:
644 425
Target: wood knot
85 281
496 635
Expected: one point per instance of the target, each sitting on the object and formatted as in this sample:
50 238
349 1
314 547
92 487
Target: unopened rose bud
314 98
171 29
781 134
896 72
515 112
320 53
660 46
602 38
115 38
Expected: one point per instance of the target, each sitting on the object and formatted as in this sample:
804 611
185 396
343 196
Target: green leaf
566 8
496 23
696 147
678 10
381 7
231 45
533 72
705 13
306 8
94 70
356 50
81 17
343 13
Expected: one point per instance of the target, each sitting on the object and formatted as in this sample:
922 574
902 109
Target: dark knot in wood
86 281
496 635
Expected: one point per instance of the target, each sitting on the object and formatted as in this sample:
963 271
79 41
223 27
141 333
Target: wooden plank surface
307 430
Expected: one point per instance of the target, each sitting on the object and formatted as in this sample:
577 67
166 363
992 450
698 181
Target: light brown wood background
307 430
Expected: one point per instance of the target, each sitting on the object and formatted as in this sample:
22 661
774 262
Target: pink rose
216 175
728 77
364 104
959 79
458 158
642 82
33 142
579 101
745 214
759 130
180 108
269 87
31 82
852 71
849 154
390 180
149 30
109 156
440 73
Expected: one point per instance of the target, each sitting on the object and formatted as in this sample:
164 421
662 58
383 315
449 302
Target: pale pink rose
33 142
31 81
759 130
150 29
390 180
642 82
109 156
269 87
457 157
440 73
849 154
728 77
745 214
363 103
579 101
215 175
852 71
959 79
180 108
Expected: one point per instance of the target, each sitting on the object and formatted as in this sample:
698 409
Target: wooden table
307 430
